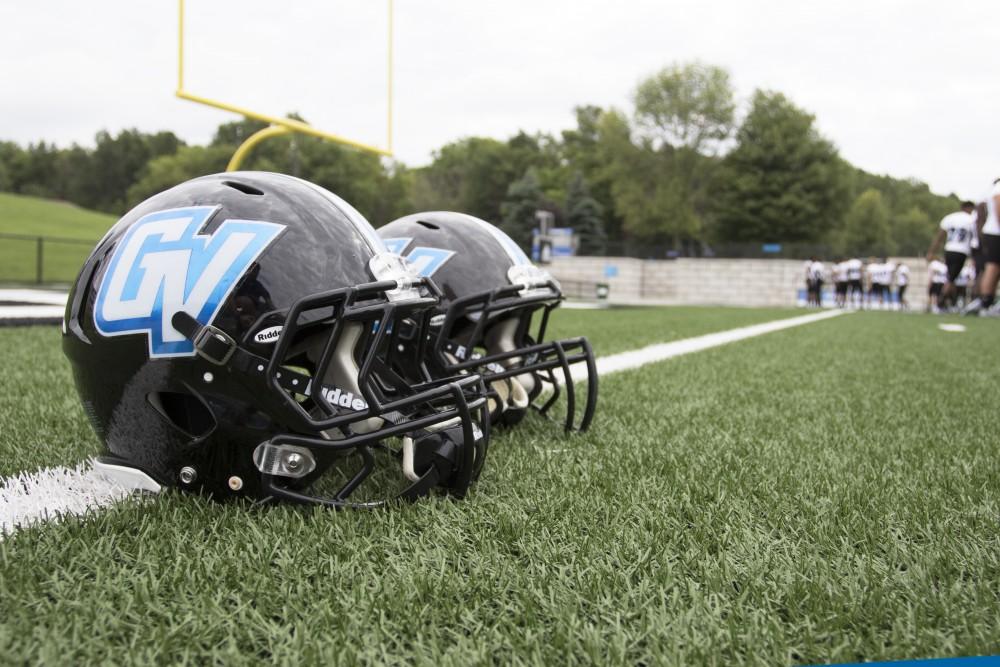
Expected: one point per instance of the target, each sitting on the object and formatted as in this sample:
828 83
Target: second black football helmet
492 318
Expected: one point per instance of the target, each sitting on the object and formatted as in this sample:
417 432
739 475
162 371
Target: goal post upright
286 125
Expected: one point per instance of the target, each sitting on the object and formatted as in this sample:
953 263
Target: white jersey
840 272
854 267
992 225
902 275
961 229
815 271
880 274
938 271
967 276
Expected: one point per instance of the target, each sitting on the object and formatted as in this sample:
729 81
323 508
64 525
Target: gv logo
163 265
425 261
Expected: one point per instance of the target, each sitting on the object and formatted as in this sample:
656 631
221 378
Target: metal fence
25 258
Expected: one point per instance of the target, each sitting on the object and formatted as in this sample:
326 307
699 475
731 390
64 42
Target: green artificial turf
824 493
61 258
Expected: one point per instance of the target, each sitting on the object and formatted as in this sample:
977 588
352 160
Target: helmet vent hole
244 188
428 225
184 412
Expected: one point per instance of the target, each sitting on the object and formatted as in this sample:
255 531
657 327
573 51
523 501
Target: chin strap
217 347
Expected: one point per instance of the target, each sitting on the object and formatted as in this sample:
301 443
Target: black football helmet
484 322
236 335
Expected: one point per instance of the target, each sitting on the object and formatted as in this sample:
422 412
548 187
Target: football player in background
855 271
870 286
964 283
840 282
888 273
902 281
937 276
956 231
814 281
976 259
989 240
879 278
807 274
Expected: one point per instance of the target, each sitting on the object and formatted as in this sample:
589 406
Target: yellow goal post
277 124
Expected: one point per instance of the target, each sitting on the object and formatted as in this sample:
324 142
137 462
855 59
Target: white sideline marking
37 296
583 305
51 493
647 355
31 312
54 492
39 304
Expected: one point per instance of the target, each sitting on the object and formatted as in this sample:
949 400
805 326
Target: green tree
914 210
585 215
649 194
783 181
34 170
358 176
583 152
686 106
166 171
117 163
866 229
683 113
10 155
524 198
470 175
75 175
912 231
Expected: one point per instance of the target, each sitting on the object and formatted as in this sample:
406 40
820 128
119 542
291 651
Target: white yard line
33 312
651 354
49 493
36 296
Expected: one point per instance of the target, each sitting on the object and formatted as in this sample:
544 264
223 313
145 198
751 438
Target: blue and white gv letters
425 261
163 265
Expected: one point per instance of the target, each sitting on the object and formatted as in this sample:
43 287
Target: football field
824 493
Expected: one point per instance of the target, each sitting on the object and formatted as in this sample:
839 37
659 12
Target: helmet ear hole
187 413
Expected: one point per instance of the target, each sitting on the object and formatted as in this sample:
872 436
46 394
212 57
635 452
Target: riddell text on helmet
345 399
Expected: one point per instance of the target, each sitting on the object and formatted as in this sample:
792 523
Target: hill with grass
21 214
70 234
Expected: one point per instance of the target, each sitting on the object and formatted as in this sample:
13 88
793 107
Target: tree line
680 170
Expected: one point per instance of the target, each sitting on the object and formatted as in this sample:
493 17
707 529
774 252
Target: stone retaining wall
724 282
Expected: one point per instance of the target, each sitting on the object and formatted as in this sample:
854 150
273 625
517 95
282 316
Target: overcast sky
907 88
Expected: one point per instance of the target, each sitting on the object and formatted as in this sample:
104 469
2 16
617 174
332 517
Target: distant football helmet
236 335
484 322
